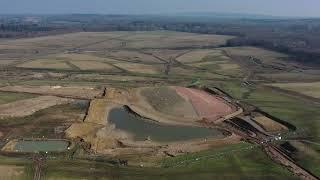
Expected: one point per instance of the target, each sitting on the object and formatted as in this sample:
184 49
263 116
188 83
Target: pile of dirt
97 112
166 100
161 104
95 129
207 106
187 103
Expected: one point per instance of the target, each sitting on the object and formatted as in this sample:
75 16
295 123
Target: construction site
137 105
140 126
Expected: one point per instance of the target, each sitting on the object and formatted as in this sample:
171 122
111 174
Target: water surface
142 129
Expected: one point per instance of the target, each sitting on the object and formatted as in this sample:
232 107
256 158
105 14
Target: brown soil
199 144
168 101
27 107
140 104
92 65
10 171
106 139
207 106
139 68
268 124
81 92
97 112
195 56
165 54
302 147
165 105
9 147
95 129
134 56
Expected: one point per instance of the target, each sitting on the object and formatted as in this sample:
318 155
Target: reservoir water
142 128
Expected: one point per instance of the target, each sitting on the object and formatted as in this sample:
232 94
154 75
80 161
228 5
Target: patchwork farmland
143 103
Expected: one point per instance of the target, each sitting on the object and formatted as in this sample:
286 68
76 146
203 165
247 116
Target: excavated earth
174 106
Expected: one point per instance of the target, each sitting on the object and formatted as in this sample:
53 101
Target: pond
41 145
142 128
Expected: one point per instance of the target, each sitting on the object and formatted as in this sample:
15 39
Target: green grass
20 162
7 97
43 122
304 115
214 67
230 162
12 160
236 163
234 88
310 160
213 59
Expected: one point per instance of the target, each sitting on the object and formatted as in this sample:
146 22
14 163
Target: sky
295 8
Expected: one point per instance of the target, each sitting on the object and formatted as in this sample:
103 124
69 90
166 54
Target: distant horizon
166 14
283 8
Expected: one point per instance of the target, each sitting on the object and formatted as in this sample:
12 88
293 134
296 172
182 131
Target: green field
230 162
43 123
158 59
309 89
288 108
7 97
302 114
10 165
305 116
